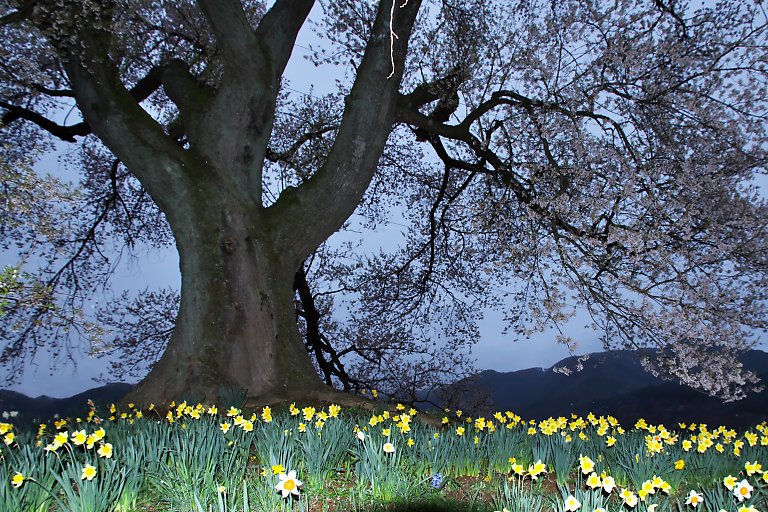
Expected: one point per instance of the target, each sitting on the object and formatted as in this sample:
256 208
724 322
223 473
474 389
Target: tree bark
236 326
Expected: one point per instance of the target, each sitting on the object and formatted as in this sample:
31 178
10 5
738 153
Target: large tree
600 153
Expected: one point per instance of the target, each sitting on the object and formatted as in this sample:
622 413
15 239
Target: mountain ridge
610 383
615 383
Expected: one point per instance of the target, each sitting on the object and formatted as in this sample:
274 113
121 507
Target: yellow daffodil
586 464
629 498
88 473
17 480
536 469
105 451
593 481
61 438
78 437
753 467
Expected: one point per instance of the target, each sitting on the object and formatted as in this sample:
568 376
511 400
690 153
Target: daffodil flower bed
198 458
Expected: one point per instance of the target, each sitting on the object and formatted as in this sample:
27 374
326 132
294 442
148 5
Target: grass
199 459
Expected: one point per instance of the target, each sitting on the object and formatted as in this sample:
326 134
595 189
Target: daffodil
572 504
694 499
61 439
609 484
593 481
88 473
288 484
105 451
629 498
78 437
17 480
743 490
534 470
587 464
753 467
389 448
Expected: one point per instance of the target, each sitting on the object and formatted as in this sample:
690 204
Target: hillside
45 407
615 383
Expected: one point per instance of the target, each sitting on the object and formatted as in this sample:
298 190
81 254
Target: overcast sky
494 351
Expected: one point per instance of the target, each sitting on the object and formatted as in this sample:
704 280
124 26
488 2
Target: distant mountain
615 383
45 407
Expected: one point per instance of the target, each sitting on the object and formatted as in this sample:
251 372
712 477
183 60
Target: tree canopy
545 156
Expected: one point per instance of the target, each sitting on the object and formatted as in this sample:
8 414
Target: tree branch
278 29
65 133
234 35
303 217
141 91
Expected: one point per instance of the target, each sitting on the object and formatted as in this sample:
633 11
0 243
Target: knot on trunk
228 244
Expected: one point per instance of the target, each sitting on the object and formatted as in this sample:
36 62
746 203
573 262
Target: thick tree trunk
237 324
